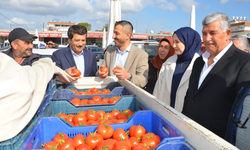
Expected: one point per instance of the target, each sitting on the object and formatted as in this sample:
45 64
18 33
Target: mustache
79 46
207 43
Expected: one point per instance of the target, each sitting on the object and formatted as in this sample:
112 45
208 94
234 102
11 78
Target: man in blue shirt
132 62
75 56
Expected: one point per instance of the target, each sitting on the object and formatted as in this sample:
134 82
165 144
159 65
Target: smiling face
121 36
214 38
22 48
77 43
179 47
163 49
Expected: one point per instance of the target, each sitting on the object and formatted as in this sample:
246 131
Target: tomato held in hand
104 69
76 72
117 68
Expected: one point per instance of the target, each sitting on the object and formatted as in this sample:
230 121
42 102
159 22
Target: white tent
192 18
104 40
114 15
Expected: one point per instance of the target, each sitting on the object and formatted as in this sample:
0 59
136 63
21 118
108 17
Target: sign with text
50 35
139 36
4 33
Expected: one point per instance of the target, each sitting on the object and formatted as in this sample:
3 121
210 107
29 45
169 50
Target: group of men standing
216 78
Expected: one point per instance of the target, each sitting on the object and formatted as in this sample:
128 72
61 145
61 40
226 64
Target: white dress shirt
205 71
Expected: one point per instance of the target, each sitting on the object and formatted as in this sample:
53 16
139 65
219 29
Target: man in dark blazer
217 76
75 55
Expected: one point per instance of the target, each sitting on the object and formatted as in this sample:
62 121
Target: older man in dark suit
75 55
217 76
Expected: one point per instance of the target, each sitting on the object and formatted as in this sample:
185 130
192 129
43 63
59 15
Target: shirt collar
127 49
206 55
73 53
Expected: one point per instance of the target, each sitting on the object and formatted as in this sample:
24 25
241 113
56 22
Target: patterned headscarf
156 61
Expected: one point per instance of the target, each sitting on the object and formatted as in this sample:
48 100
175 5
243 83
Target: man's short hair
76 29
125 25
243 41
224 20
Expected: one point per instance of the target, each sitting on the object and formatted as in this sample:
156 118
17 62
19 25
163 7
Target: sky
145 15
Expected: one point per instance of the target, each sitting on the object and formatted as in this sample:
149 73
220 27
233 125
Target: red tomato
106 91
100 113
135 141
81 113
62 115
113 100
91 115
68 144
50 145
105 130
60 137
92 122
97 98
78 139
128 112
150 139
115 112
84 102
94 90
140 146
83 147
120 134
104 69
76 72
104 145
117 68
69 118
91 102
75 101
92 139
108 115
137 131
79 119
121 145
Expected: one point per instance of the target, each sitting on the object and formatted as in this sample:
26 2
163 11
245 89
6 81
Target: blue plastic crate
15 142
48 127
126 102
67 94
175 146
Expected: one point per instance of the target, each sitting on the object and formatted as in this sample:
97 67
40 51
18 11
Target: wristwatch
130 78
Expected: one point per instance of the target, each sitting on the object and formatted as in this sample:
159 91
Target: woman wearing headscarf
164 51
173 80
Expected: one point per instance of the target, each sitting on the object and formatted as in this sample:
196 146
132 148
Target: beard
24 54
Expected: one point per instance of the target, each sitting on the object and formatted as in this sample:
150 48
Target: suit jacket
163 85
64 59
210 105
136 64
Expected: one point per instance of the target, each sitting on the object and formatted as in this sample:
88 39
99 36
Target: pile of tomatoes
92 117
106 138
95 100
91 91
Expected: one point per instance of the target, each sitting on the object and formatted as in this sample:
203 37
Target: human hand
70 72
103 74
121 73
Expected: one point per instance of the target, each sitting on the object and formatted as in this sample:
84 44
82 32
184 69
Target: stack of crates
49 125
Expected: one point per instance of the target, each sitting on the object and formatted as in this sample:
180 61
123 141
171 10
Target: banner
50 35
